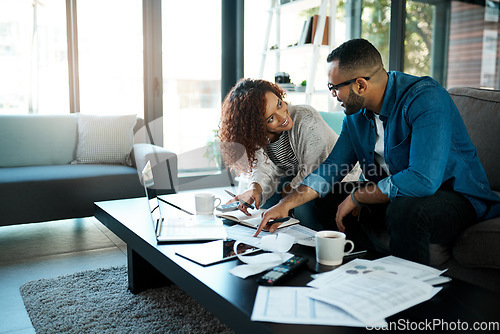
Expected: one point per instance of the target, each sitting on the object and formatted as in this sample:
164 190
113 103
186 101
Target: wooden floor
45 250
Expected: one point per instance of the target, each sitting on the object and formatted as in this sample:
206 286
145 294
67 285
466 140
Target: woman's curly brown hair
242 127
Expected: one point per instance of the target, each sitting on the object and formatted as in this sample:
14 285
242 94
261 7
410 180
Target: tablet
213 252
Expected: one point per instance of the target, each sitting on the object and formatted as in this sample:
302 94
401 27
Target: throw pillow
105 139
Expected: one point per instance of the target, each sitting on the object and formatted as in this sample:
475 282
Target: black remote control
281 272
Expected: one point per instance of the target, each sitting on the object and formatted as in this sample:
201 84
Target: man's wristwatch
354 199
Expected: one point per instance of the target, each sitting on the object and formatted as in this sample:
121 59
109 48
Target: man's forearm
370 194
297 197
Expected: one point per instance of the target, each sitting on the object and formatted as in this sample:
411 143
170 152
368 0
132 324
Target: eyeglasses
345 83
332 87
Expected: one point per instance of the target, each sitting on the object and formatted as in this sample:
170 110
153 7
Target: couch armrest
478 246
334 120
163 163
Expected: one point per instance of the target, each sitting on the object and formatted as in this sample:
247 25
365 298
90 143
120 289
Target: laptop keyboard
183 227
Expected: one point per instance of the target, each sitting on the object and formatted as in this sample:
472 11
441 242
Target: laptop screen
180 228
154 205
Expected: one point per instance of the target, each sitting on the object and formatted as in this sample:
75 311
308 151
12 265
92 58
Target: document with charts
374 296
291 305
358 293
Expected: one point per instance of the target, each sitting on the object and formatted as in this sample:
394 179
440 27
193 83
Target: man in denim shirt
425 183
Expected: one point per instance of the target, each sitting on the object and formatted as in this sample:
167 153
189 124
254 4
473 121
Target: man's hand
369 194
346 207
297 197
275 212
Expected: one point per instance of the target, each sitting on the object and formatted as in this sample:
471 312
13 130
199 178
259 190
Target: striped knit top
281 154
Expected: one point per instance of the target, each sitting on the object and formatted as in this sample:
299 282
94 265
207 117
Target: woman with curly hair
276 143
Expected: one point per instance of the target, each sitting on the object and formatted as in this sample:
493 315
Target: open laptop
179 227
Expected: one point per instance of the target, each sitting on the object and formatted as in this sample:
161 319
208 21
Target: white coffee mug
330 247
205 203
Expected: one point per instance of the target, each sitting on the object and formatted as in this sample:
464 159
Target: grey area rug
98 301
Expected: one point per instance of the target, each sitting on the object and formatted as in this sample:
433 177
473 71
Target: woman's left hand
251 196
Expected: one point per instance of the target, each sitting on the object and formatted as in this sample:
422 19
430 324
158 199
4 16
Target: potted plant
301 87
212 151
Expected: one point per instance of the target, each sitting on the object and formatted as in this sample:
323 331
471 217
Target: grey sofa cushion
42 193
480 110
479 246
35 140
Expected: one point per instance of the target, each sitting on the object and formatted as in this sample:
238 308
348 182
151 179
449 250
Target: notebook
252 221
180 227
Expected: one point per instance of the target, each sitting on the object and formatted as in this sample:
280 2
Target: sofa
475 255
56 166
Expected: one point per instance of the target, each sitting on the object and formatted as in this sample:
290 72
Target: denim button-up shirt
426 147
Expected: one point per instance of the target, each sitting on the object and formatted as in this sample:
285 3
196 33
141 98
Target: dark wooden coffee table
231 298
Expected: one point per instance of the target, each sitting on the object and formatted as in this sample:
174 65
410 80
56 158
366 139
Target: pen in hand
271 222
245 203
280 220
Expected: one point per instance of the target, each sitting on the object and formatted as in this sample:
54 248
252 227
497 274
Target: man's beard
354 103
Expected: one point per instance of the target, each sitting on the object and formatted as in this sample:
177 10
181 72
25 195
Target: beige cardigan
311 140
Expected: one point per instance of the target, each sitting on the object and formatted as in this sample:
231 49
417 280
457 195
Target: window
191 82
33 57
375 25
255 11
473 52
110 57
419 37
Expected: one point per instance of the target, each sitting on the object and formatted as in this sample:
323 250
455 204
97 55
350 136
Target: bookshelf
306 47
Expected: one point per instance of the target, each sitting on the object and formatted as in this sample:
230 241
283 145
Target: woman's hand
251 196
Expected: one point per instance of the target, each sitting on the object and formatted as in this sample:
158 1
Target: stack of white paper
292 305
359 293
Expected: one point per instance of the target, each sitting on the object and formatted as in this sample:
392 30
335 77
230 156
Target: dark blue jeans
415 222
411 223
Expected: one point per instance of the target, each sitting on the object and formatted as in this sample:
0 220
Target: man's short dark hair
356 54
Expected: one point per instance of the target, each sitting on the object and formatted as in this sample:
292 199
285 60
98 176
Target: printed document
290 305
390 264
359 293
375 295
412 269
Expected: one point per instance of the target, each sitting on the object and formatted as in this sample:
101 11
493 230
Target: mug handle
352 247
220 202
